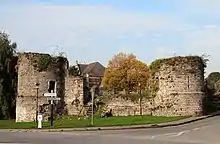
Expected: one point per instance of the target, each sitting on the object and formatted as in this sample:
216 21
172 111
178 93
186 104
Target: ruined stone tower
51 73
181 87
178 84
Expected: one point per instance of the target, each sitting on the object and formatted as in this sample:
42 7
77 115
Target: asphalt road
201 132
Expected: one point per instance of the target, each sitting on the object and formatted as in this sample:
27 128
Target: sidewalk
168 124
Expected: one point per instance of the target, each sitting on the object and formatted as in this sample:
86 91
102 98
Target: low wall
121 107
179 104
26 112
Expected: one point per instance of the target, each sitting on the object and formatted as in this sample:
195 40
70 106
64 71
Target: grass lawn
73 122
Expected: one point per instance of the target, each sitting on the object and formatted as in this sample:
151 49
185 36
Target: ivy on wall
73 71
154 80
43 62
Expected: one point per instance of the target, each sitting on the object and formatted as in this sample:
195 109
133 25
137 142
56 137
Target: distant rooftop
93 69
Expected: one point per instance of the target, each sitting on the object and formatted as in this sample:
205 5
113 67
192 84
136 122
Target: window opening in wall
188 82
51 88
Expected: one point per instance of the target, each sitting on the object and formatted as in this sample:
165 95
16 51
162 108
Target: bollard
39 119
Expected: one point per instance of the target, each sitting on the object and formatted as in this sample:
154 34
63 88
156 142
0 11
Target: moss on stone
43 62
154 80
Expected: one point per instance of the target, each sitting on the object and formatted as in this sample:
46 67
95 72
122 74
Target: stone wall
182 104
181 91
180 83
122 107
28 76
73 94
181 87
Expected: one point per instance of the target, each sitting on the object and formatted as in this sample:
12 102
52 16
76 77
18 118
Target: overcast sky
95 30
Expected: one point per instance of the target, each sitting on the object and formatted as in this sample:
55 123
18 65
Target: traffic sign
50 94
53 98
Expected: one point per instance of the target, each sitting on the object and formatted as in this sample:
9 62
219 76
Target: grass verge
73 122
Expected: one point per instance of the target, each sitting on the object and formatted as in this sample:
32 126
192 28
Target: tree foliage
213 77
125 72
7 98
44 62
217 86
73 71
213 82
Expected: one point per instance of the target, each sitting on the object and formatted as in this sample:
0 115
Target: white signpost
50 94
52 97
39 119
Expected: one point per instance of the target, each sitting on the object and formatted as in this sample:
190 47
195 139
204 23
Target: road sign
53 98
50 94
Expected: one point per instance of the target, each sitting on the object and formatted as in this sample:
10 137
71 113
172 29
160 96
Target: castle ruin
181 87
53 74
180 82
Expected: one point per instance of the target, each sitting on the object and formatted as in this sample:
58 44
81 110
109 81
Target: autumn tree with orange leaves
125 72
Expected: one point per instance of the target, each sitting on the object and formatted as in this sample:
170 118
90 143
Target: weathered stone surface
121 107
68 88
28 76
181 92
73 95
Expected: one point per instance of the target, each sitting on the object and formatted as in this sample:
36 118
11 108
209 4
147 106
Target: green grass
73 122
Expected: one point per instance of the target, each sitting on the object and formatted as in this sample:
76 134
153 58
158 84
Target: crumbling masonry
28 103
180 91
180 82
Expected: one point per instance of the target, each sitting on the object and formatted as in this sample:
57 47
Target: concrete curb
161 125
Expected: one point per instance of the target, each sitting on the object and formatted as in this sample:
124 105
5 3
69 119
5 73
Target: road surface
202 132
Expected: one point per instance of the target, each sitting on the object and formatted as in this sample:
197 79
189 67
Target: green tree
125 72
213 81
7 51
217 86
73 71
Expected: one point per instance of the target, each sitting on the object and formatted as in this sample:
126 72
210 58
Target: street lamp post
93 93
140 99
37 87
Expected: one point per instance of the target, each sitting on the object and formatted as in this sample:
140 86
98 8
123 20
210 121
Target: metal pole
51 116
37 87
140 99
37 105
92 120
